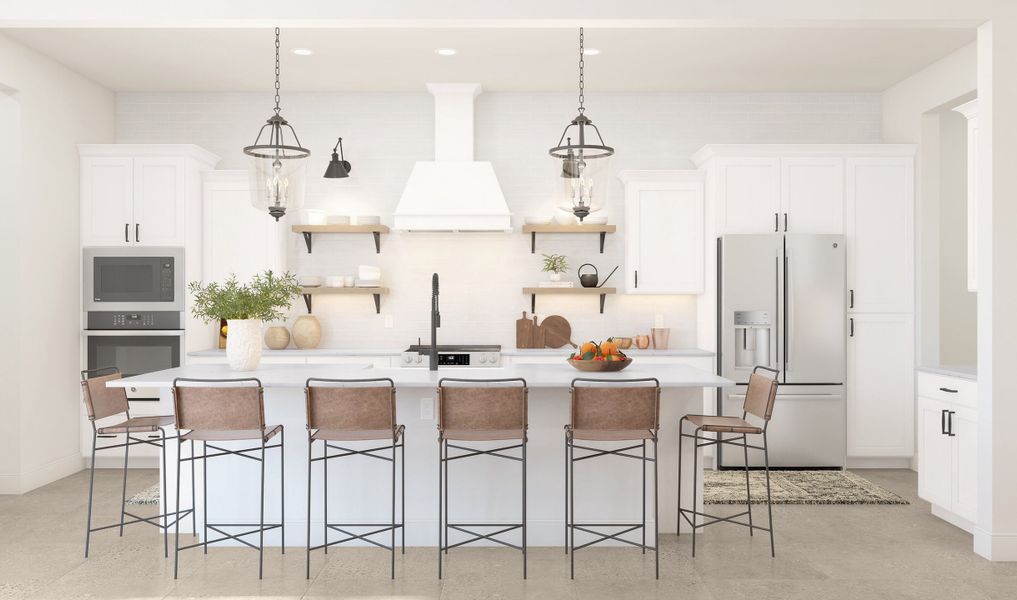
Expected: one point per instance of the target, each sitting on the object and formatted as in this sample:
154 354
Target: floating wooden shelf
377 292
581 291
533 230
309 230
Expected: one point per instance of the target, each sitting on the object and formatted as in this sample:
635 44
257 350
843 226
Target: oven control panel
128 320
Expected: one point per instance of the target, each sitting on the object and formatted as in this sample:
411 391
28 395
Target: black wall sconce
338 167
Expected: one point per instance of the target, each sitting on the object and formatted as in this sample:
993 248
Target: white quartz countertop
215 352
969 372
536 376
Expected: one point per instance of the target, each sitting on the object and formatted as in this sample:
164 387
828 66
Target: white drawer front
961 392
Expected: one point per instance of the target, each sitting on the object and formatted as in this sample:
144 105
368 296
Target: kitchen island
481 490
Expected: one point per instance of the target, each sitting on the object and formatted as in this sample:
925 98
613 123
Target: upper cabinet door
664 242
880 239
159 208
226 200
812 195
748 195
107 217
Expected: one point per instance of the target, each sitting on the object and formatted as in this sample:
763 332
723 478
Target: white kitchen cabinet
880 234
747 194
948 447
226 206
812 194
141 194
664 232
880 385
970 111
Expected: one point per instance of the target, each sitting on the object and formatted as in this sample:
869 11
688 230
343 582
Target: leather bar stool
354 410
759 400
213 411
103 403
480 410
625 411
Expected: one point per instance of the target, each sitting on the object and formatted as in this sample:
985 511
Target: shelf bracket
307 240
533 242
377 245
603 234
602 298
307 299
377 301
533 304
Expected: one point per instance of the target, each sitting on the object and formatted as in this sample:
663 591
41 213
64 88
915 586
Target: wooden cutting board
538 334
524 332
557 332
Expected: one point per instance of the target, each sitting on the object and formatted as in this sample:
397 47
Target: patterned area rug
149 495
796 487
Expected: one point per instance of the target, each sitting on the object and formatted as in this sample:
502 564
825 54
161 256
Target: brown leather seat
230 435
138 425
358 435
723 424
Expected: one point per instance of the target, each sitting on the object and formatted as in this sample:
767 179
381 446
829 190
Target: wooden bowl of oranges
592 357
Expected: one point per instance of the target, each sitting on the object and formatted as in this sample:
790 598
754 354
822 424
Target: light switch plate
427 409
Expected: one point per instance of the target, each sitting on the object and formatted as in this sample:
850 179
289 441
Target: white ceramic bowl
537 220
338 219
334 281
595 221
309 280
310 216
368 220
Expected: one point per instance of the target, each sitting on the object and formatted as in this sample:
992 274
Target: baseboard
38 477
867 462
953 519
1001 547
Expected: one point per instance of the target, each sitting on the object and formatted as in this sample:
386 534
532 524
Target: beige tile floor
823 552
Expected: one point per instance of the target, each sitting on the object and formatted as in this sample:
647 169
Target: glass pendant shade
582 192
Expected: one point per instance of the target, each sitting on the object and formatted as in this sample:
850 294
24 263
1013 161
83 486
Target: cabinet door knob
851 302
637 279
785 222
851 325
776 221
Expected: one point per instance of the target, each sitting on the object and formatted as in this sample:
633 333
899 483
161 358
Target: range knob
419 359
407 358
483 359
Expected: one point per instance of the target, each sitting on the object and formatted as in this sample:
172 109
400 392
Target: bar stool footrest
718 519
382 528
465 528
603 537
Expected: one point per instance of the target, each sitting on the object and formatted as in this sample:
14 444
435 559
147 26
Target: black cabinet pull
637 279
127 233
851 302
785 221
851 323
942 421
949 423
776 221
948 390
137 234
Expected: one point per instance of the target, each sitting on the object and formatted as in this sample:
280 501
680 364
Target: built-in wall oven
133 300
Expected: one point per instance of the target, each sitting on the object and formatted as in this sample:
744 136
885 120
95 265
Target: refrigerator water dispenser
752 338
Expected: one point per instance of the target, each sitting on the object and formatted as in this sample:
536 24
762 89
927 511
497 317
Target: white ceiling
696 59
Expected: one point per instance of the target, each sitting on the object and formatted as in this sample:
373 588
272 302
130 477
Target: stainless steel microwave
133 279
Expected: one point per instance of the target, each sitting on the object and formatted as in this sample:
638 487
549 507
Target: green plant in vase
555 265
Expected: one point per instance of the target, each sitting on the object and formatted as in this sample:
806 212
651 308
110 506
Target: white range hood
453 192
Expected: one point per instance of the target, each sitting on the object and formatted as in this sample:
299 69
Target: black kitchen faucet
435 324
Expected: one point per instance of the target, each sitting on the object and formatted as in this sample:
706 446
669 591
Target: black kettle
590 280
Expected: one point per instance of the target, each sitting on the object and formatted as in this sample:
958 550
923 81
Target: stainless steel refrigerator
781 303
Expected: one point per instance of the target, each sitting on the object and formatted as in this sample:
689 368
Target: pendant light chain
582 64
277 70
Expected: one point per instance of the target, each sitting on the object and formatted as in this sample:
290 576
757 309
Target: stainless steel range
452 356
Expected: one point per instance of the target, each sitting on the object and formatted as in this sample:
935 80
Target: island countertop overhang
536 376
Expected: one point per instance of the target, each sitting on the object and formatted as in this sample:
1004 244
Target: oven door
132 279
135 353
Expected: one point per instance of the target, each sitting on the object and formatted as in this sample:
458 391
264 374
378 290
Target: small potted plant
555 265
244 307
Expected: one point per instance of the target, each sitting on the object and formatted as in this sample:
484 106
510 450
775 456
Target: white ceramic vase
243 344
555 276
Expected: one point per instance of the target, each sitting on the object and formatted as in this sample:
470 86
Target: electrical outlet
389 321
427 409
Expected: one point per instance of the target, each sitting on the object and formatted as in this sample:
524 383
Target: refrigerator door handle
776 222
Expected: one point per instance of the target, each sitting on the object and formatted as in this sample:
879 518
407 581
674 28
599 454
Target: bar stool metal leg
204 492
524 508
748 490
310 445
261 518
324 495
402 488
572 508
695 487
194 491
91 487
282 490
165 510
566 541
123 489
769 505
393 543
441 465
176 526
643 469
681 440
656 520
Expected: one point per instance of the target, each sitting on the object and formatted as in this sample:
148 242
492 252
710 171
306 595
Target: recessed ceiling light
445 51
591 52
302 51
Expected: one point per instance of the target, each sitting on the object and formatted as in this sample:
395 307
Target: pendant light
278 164
577 170
338 167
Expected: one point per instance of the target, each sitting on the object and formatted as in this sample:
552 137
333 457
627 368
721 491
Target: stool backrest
219 404
350 404
482 404
623 405
101 401
761 393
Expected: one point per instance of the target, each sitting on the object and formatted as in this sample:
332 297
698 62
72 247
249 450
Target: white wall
911 114
482 275
58 109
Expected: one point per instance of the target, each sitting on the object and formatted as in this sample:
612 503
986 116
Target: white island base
482 489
